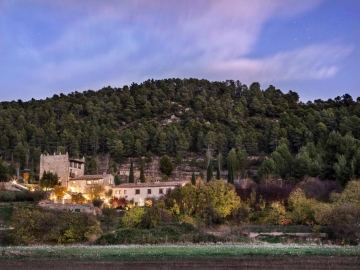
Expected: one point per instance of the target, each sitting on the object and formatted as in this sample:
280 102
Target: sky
48 47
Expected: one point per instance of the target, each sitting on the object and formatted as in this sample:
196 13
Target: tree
209 173
116 180
95 191
60 191
230 174
3 171
193 179
142 173
131 173
77 198
49 180
166 166
218 169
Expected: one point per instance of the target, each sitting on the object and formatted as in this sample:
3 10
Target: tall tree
142 173
131 174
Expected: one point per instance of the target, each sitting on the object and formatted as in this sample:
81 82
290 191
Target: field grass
169 252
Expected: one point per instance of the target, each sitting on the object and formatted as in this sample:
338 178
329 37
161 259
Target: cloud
312 62
118 42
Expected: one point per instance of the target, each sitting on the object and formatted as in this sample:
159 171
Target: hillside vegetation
239 127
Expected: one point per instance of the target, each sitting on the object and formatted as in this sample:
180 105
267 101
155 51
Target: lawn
169 252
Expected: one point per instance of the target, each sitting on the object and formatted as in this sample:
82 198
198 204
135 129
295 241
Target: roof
151 184
91 176
77 160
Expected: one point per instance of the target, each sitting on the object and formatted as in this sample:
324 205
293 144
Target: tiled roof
92 176
151 184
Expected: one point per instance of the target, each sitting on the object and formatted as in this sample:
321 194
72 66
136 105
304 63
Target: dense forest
238 128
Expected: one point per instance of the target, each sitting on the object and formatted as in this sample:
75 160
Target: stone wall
69 207
58 164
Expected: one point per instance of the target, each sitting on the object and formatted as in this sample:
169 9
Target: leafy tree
77 198
48 180
166 166
133 217
60 191
95 191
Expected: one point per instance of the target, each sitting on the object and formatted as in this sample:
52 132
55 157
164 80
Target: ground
293 263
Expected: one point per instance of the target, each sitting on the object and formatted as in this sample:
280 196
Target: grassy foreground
167 252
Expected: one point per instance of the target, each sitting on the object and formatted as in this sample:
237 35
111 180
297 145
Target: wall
58 164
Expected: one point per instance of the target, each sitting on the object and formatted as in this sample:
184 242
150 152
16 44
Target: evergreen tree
193 179
230 174
209 172
142 173
166 166
131 174
116 180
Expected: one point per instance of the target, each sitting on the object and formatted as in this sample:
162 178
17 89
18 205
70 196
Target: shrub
320 190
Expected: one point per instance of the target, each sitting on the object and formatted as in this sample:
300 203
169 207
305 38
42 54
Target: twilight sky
50 47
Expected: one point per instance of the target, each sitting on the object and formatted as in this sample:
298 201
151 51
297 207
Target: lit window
137 191
96 182
88 182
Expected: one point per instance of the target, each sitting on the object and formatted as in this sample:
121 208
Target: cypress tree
230 174
142 174
209 173
193 179
131 174
218 175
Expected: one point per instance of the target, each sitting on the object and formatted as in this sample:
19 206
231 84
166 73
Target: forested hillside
240 126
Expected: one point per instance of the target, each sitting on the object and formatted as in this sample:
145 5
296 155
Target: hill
186 119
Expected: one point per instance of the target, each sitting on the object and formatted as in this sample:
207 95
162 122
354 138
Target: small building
79 184
139 192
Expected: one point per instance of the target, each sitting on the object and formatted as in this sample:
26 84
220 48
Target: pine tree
131 174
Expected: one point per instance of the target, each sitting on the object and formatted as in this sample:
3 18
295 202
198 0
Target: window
79 165
161 191
124 191
149 191
116 192
168 190
71 164
137 191
96 182
88 182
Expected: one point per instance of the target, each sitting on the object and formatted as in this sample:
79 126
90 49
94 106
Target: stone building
79 183
71 172
139 192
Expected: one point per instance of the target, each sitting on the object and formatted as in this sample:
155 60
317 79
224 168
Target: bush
320 190
33 226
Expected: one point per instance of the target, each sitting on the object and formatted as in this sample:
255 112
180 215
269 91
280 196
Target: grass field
167 252
181 257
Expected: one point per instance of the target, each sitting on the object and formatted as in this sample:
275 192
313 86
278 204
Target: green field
167 252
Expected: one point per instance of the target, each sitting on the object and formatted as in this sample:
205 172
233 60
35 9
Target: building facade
140 192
